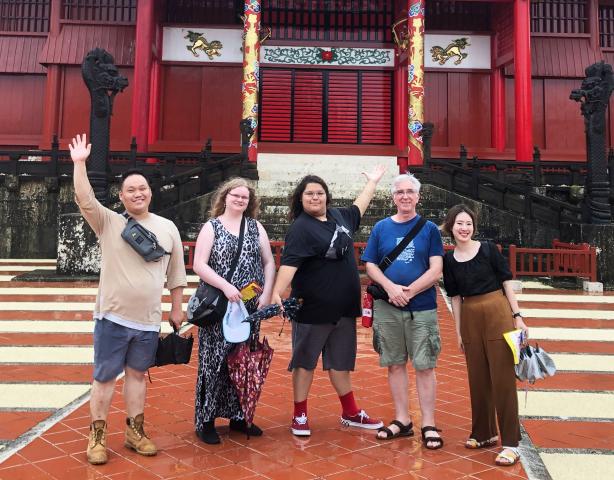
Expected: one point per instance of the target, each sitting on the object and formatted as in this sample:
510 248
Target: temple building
313 76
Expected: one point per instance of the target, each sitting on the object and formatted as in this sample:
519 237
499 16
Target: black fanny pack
143 241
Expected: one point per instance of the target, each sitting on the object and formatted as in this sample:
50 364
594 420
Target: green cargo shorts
399 335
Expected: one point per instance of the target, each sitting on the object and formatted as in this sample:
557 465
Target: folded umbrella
291 306
534 364
248 366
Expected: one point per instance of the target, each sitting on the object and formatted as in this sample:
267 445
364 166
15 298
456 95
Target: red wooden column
145 21
522 81
154 94
53 85
497 102
400 111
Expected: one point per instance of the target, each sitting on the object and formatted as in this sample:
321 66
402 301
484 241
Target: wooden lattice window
326 106
559 16
103 11
606 26
204 12
329 20
466 16
24 16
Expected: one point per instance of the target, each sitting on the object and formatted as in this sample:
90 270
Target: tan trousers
490 365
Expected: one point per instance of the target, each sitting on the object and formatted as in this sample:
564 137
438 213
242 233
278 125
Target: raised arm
373 178
79 152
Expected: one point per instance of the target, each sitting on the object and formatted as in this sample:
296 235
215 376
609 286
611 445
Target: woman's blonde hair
218 201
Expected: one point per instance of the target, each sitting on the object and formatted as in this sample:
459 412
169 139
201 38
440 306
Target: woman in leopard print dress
215 248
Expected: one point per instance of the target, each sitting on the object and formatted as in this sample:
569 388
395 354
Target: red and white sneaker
361 420
300 426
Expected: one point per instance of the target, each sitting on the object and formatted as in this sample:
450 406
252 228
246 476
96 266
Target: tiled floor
332 452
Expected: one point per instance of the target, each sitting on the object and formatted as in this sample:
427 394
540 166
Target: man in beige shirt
128 306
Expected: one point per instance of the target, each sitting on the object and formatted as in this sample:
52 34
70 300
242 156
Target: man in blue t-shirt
405 324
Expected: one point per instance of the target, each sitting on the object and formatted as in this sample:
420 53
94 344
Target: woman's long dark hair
296 199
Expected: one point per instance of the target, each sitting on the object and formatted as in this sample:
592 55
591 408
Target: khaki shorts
399 335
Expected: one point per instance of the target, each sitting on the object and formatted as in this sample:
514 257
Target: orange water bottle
367 310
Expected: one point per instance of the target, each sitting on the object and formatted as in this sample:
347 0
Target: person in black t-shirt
318 260
477 278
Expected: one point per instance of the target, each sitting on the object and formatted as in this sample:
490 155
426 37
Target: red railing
563 260
277 248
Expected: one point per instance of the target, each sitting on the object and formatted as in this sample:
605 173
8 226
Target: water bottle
367 310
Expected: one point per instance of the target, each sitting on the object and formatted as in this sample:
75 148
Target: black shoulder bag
143 241
207 305
377 291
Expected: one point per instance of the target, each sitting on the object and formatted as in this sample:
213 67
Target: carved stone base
78 249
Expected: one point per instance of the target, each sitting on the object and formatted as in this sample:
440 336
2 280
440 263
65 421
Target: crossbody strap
391 257
235 260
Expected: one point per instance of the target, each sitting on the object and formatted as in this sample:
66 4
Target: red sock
348 404
300 408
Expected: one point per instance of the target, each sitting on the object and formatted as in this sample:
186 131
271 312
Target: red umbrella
248 365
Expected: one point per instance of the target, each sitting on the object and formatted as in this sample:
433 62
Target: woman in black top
477 278
318 260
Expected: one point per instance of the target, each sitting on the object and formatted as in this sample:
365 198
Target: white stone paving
568 313
559 298
59 306
534 284
577 334
579 466
36 261
566 404
47 355
584 363
64 291
55 326
25 268
47 396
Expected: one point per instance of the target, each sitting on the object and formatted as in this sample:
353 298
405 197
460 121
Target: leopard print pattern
215 394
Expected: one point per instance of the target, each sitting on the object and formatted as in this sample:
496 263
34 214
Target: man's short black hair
133 171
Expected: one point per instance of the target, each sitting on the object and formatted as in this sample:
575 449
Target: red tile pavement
332 451
569 346
553 434
576 381
36 339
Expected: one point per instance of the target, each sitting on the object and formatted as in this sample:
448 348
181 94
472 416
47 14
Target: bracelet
517 314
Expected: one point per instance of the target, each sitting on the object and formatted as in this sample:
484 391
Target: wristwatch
517 314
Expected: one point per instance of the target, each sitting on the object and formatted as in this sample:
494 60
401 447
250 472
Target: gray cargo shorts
117 347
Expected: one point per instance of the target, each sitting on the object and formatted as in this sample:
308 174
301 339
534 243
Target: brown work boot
137 439
97 445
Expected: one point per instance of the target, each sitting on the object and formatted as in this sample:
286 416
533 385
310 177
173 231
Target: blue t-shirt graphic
412 262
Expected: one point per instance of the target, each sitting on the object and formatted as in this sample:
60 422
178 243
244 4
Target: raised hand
79 149
376 174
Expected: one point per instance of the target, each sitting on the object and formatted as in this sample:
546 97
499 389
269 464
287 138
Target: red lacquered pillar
522 81
497 102
400 112
142 73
